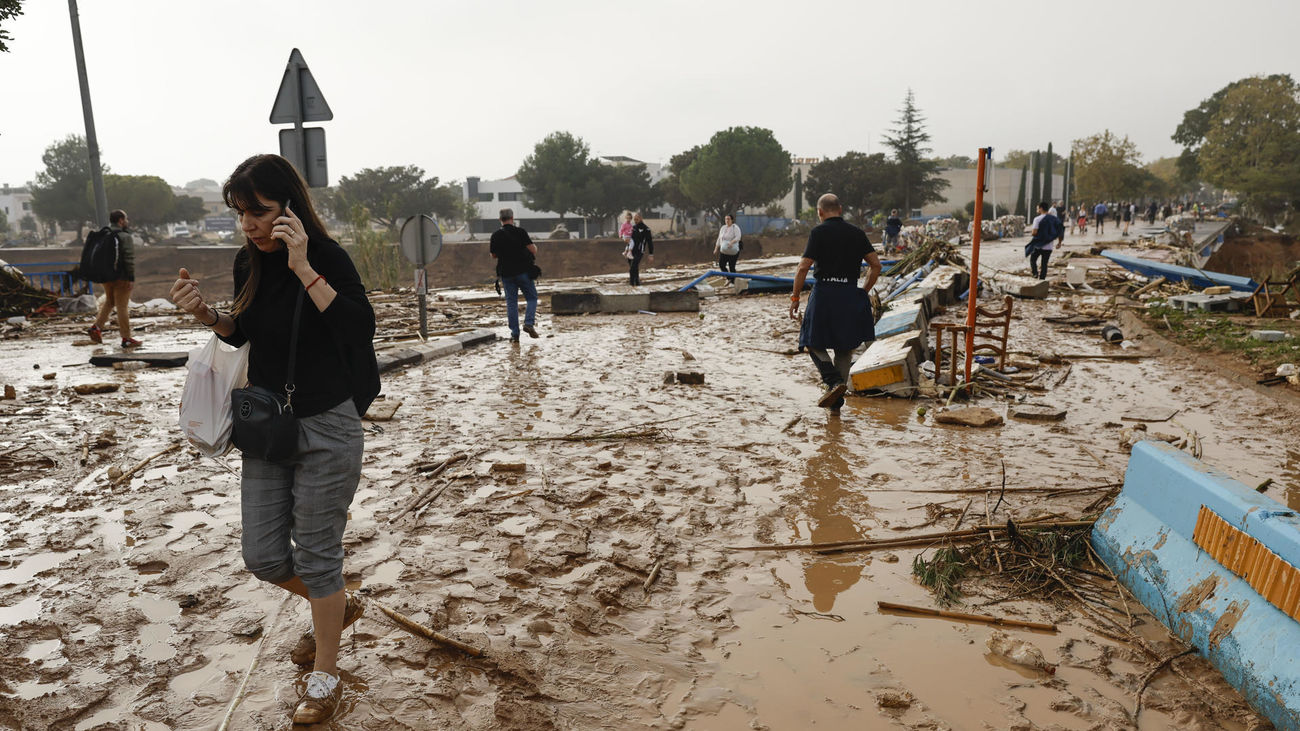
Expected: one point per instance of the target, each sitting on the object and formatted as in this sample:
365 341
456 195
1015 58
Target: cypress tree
1020 201
1038 181
1047 179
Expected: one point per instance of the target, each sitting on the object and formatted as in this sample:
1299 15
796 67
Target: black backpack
101 256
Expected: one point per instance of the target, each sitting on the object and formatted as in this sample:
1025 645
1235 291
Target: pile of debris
18 297
942 228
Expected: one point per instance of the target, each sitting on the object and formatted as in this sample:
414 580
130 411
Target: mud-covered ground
127 607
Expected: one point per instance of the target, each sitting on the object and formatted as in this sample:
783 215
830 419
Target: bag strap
293 352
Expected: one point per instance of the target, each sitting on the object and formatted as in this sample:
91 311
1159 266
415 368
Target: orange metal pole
975 261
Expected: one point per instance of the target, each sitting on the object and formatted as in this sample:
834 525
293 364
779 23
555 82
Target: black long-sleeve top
643 241
336 358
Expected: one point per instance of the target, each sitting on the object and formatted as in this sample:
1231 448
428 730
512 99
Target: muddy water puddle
548 568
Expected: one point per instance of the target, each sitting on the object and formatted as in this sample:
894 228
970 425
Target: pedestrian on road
1151 213
893 228
117 293
1083 219
1099 213
1126 215
294 511
839 316
1045 234
643 244
516 254
727 247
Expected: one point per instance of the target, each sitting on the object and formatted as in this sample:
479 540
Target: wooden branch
984 618
654 574
869 543
126 476
415 628
424 497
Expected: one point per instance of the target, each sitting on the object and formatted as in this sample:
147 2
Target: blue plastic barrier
1146 538
57 279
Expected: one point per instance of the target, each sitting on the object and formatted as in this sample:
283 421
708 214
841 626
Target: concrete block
976 416
890 365
438 348
688 301
392 359
1164 538
948 283
476 337
1268 336
574 303
1018 286
692 378
1209 302
624 302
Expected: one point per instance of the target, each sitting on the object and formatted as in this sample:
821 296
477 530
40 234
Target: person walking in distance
117 293
516 253
1099 217
1126 217
893 228
1044 236
727 247
839 316
290 276
643 244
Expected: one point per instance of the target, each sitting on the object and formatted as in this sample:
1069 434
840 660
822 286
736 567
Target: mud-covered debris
894 699
669 378
86 389
1019 652
49 376
382 410
977 416
1037 413
10 393
509 466
690 378
250 627
686 355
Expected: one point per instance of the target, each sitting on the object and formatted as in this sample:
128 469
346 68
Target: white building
16 203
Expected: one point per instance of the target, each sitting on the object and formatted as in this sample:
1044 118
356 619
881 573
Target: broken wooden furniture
1270 297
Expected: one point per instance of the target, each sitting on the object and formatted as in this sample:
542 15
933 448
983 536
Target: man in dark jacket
643 244
118 292
893 227
839 313
515 253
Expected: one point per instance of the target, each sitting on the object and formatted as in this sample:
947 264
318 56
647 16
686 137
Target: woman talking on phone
294 510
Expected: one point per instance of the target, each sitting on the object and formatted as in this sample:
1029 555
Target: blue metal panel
1175 273
1146 538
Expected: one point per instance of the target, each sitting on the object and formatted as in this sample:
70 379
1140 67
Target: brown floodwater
128 606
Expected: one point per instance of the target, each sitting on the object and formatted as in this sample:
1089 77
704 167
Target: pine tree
918 178
1047 179
1024 180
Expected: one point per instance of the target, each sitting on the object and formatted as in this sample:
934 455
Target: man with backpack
117 292
1046 232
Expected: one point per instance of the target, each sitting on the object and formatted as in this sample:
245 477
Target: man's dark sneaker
835 393
131 343
96 335
532 331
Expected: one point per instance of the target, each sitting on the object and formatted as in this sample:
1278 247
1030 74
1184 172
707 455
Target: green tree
147 199
4 223
670 187
1252 145
862 182
469 212
1018 158
555 174
917 179
60 192
1107 167
1047 175
28 223
740 166
390 194
611 189
959 162
8 9
1021 209
1197 122
187 208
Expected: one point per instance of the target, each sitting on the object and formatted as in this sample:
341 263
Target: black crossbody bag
264 424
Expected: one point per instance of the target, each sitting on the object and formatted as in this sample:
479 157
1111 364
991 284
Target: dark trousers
634 270
1034 257
833 371
727 262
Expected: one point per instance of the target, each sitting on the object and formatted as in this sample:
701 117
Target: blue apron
838 317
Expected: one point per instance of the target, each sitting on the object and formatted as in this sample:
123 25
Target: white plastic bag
215 370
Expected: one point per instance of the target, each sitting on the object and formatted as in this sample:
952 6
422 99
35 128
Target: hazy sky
183 88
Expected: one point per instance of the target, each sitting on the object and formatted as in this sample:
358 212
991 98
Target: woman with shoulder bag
292 279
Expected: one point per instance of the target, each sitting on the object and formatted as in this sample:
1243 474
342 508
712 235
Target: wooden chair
1270 297
996 326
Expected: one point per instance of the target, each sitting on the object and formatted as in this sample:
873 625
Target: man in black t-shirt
839 314
515 253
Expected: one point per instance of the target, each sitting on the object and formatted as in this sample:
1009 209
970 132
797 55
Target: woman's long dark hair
273 178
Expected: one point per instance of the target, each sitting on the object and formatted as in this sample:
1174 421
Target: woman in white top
728 246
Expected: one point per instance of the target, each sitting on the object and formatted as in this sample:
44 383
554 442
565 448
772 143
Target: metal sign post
300 100
976 235
421 241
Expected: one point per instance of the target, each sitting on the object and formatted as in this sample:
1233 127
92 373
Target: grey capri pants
306 498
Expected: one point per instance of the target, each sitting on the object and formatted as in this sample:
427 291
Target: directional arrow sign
298 91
